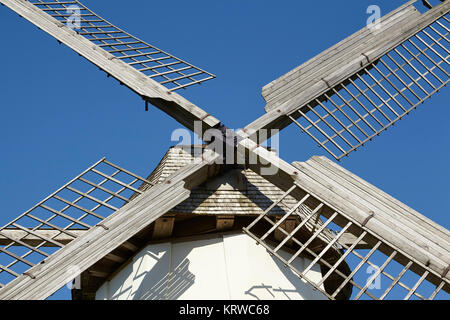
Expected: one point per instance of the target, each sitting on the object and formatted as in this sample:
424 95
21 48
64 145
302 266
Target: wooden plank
224 222
33 240
329 53
115 258
98 274
130 246
414 228
173 104
36 234
348 239
163 227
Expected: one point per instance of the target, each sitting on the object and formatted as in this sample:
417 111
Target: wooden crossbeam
163 227
224 222
34 240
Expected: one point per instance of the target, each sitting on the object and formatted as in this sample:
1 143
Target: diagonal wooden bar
173 104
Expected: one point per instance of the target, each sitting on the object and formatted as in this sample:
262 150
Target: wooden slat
18 241
163 227
368 190
347 239
173 104
33 240
285 88
277 118
411 248
408 232
38 235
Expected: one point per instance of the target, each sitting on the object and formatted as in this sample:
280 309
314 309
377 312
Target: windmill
343 98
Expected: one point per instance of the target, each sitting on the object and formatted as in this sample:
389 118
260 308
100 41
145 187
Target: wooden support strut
224 222
163 227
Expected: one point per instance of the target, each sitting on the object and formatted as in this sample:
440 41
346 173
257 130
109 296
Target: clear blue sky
60 114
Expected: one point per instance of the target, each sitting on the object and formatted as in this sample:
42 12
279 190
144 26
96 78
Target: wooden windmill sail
343 98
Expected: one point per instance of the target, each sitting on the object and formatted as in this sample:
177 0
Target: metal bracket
367 57
327 83
372 214
205 116
446 271
102 225
27 273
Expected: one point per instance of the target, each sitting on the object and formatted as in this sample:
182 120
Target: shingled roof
238 191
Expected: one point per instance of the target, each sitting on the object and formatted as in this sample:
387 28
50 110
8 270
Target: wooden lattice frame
34 235
361 107
327 218
155 63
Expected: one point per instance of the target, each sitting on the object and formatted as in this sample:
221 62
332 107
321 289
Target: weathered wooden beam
98 274
34 240
288 225
407 240
224 222
171 103
163 227
115 258
130 246
348 239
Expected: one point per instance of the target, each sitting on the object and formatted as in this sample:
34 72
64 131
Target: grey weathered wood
341 175
33 240
173 104
415 249
330 53
403 227
412 239
277 118
349 239
336 57
163 227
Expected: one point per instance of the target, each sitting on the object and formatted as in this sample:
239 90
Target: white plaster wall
219 267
